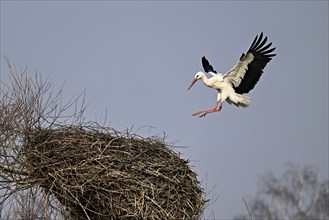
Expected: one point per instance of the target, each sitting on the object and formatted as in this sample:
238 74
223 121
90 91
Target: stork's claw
197 113
200 114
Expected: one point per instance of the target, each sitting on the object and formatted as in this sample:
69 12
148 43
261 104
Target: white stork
241 79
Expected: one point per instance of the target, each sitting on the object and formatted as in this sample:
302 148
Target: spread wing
207 67
246 73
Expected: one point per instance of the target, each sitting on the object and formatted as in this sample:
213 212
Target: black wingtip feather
258 47
261 44
206 66
259 40
254 42
265 48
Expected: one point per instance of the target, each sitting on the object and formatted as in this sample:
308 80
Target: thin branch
245 203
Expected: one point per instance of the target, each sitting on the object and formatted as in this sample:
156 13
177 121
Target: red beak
192 83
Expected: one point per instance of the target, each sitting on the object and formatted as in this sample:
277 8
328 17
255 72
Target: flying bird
240 79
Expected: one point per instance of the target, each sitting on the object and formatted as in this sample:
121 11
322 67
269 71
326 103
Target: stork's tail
239 100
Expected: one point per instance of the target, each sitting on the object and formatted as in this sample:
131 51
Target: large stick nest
102 175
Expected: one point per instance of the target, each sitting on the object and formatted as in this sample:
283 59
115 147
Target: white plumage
240 79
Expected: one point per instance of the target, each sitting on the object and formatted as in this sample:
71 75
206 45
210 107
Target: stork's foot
202 114
197 113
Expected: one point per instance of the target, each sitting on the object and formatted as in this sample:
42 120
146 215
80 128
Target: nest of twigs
104 175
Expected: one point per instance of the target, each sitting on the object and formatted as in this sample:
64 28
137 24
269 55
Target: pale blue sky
137 58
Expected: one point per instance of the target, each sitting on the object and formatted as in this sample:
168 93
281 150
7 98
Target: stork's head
197 76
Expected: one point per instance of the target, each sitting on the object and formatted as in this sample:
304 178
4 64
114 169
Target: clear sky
135 59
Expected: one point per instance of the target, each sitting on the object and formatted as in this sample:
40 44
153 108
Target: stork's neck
205 80
213 82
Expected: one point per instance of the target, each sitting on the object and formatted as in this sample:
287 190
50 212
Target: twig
247 208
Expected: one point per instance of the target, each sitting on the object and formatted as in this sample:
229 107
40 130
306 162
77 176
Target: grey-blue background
136 58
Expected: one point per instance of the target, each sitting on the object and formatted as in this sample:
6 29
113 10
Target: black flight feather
206 66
